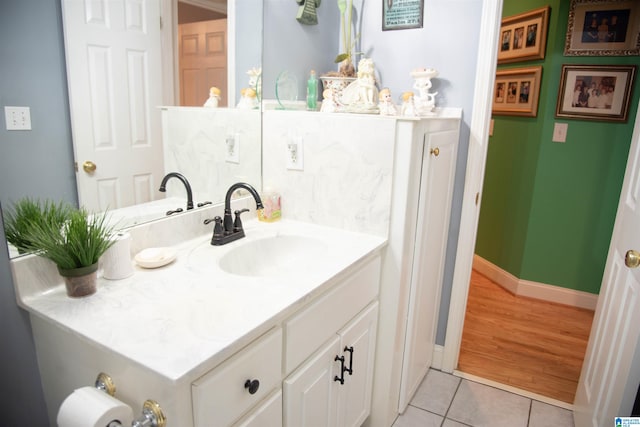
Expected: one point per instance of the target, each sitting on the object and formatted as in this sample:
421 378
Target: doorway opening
525 343
202 54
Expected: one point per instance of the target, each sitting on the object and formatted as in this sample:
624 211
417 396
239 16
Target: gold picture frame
516 92
523 37
595 92
603 28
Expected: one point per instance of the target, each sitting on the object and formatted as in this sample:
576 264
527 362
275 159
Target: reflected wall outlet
232 154
295 154
17 118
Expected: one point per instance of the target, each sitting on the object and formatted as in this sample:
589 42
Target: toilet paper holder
152 415
106 384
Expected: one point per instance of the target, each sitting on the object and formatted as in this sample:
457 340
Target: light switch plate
17 118
560 132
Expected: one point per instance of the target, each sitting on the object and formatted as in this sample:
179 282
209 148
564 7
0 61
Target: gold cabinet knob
632 258
435 151
89 166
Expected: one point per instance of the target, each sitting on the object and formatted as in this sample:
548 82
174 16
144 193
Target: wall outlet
17 118
295 153
232 154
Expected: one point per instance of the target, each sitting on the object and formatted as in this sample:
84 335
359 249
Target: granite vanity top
182 319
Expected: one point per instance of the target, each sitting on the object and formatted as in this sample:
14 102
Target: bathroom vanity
293 322
214 344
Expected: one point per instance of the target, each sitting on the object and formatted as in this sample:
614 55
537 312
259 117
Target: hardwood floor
526 343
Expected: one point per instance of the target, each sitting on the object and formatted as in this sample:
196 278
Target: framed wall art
603 28
595 92
516 92
402 14
523 37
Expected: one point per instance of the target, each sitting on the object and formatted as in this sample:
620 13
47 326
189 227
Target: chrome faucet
228 230
170 175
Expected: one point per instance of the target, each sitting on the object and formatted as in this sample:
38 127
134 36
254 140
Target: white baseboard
438 354
527 288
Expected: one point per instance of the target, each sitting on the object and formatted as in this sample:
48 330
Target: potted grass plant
74 244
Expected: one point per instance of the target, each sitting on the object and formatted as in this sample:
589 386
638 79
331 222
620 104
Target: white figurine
386 105
408 107
361 96
248 99
328 104
214 98
425 101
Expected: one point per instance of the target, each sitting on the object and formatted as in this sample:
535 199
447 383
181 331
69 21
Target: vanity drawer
220 397
314 325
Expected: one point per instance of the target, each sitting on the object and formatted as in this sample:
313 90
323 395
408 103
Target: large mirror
137 116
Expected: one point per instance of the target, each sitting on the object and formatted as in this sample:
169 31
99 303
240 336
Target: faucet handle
218 229
237 224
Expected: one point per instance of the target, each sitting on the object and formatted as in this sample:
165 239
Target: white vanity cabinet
334 387
330 337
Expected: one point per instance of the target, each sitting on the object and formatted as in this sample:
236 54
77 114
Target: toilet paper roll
88 406
116 262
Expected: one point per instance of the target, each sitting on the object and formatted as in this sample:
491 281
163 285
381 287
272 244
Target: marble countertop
182 319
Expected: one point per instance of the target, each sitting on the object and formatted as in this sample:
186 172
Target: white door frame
476 160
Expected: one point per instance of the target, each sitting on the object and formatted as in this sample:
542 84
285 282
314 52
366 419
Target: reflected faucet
229 230
184 181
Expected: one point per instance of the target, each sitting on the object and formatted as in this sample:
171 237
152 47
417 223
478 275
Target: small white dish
155 257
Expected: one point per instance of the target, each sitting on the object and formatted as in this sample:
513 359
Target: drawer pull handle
341 377
350 368
252 386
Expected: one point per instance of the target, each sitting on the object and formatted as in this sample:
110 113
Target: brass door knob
632 258
435 151
89 166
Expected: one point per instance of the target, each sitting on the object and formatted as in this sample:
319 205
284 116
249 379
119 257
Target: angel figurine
361 96
248 99
408 106
328 104
386 105
214 98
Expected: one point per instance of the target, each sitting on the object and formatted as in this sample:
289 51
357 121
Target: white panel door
115 88
608 370
436 192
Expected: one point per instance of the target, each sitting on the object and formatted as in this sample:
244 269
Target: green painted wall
548 208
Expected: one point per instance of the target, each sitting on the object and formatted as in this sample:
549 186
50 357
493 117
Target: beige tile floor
444 400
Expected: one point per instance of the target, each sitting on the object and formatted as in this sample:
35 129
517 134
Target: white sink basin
274 256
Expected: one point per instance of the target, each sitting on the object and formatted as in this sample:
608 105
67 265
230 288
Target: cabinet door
310 396
358 348
436 190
